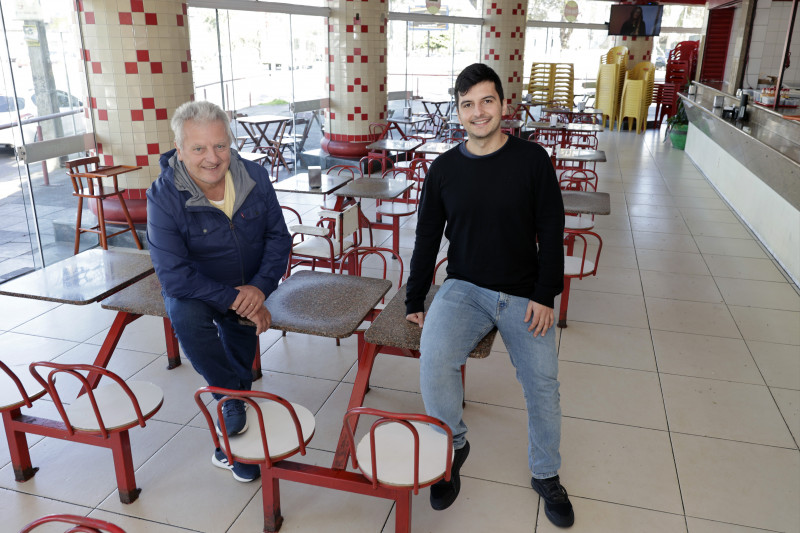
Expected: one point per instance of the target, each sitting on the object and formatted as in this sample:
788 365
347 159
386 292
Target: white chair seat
279 428
309 230
395 454
255 157
579 223
319 247
115 407
396 209
572 266
10 397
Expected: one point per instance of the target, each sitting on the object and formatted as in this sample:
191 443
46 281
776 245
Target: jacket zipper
238 250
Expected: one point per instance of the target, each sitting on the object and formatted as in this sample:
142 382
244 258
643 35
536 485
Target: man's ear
178 151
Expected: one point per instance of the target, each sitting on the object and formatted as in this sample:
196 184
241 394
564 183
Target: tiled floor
680 374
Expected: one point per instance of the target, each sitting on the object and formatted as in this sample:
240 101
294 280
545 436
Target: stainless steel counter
770 149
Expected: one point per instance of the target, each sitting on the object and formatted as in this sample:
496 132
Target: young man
498 202
219 246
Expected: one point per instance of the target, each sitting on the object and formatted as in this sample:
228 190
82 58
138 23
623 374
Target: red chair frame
83 524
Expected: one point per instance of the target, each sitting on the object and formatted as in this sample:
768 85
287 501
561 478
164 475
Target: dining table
437 106
90 276
576 114
395 123
436 148
299 184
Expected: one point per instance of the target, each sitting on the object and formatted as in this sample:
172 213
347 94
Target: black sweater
495 207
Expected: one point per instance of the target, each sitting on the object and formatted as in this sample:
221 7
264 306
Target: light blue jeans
459 317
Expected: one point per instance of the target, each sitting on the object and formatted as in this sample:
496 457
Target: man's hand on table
248 302
416 318
540 316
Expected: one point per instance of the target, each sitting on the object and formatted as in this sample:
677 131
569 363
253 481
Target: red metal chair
82 524
667 102
101 417
578 179
280 429
577 266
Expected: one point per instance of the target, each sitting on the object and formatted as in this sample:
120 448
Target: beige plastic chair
633 105
334 235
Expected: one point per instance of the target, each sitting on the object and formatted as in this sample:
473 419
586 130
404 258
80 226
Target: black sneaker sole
558 520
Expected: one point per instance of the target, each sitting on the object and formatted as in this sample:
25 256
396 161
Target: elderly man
497 200
219 246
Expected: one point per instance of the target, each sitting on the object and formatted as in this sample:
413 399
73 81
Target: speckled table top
316 303
142 298
374 188
87 277
586 202
391 328
320 303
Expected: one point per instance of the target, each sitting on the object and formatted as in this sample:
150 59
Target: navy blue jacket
198 252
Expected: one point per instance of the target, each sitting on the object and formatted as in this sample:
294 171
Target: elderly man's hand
262 319
248 302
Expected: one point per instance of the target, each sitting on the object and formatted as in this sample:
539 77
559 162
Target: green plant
677 125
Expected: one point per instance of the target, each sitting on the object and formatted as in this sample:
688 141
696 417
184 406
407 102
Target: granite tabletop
316 303
374 188
141 298
320 303
580 154
586 202
391 328
299 184
81 279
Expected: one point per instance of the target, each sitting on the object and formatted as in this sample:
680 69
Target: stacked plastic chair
685 51
637 95
610 81
552 83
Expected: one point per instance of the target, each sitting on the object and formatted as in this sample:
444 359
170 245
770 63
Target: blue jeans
459 317
220 348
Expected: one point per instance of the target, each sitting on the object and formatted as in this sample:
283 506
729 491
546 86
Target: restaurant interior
677 149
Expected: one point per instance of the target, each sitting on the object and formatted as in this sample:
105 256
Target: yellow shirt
226 204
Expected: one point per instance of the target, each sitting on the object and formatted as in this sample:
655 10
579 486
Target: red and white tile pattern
504 43
137 59
357 73
639 49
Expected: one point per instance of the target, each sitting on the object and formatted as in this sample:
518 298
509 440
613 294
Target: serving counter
754 164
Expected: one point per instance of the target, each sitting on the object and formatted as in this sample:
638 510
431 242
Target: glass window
461 8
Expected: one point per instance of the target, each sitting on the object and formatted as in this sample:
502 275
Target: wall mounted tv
635 20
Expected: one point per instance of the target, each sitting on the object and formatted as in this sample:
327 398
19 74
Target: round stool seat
394 445
115 406
280 431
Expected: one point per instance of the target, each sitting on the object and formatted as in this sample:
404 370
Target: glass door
42 96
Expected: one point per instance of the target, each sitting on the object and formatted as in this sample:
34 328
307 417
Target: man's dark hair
475 74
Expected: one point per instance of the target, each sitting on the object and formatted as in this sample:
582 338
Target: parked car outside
72 124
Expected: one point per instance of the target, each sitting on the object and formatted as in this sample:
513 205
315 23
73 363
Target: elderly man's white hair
201 112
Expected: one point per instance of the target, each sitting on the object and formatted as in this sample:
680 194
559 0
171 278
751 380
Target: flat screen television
635 20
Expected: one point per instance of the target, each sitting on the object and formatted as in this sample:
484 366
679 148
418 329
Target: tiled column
357 75
504 43
136 54
639 48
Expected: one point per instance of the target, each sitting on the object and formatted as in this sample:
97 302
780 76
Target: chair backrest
344 170
90 417
376 253
76 167
17 390
582 139
290 426
345 223
390 453
378 130
82 524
